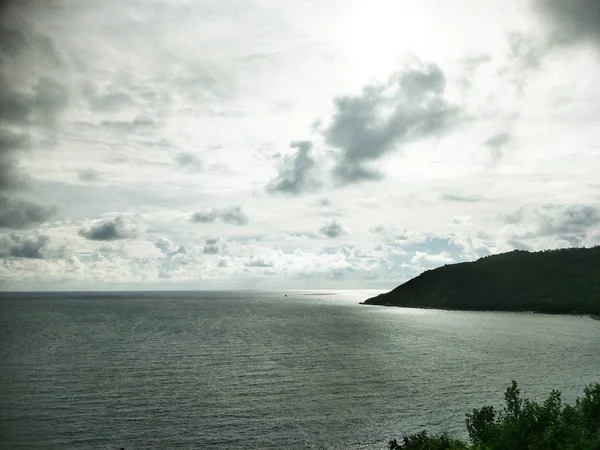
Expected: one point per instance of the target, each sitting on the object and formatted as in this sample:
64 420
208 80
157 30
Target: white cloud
153 148
425 259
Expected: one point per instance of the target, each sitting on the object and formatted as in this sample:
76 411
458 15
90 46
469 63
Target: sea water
262 370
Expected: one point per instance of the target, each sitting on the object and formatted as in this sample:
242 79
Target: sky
261 144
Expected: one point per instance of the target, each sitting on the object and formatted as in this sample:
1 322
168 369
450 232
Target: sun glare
374 34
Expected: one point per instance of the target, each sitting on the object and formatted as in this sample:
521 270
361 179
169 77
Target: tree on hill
565 281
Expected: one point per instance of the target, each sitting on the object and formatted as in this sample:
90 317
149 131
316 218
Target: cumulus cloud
109 230
211 247
592 237
164 244
410 106
562 225
234 215
333 229
295 174
464 243
19 213
259 262
181 250
224 262
427 260
558 218
205 216
21 246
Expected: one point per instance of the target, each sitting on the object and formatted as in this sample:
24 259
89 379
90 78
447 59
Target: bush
523 424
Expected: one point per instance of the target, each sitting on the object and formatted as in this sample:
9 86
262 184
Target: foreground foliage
523 424
565 281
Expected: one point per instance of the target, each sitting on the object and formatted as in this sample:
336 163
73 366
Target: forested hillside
565 281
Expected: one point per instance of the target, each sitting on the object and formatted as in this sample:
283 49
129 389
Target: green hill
565 281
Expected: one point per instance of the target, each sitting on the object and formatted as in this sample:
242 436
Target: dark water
258 370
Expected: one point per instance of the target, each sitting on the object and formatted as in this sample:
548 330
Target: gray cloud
206 216
11 176
514 217
450 197
295 172
189 161
409 106
354 173
106 101
50 99
17 36
333 229
223 262
234 215
40 103
497 142
377 229
15 107
20 213
139 123
568 22
572 20
21 246
12 39
89 175
565 222
109 230
211 247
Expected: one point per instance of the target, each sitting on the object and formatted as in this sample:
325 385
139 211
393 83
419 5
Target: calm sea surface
261 370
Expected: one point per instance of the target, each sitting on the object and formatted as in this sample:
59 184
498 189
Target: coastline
579 314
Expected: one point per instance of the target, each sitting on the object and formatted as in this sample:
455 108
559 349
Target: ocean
259 370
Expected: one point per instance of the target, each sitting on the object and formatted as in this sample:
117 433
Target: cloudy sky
262 144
